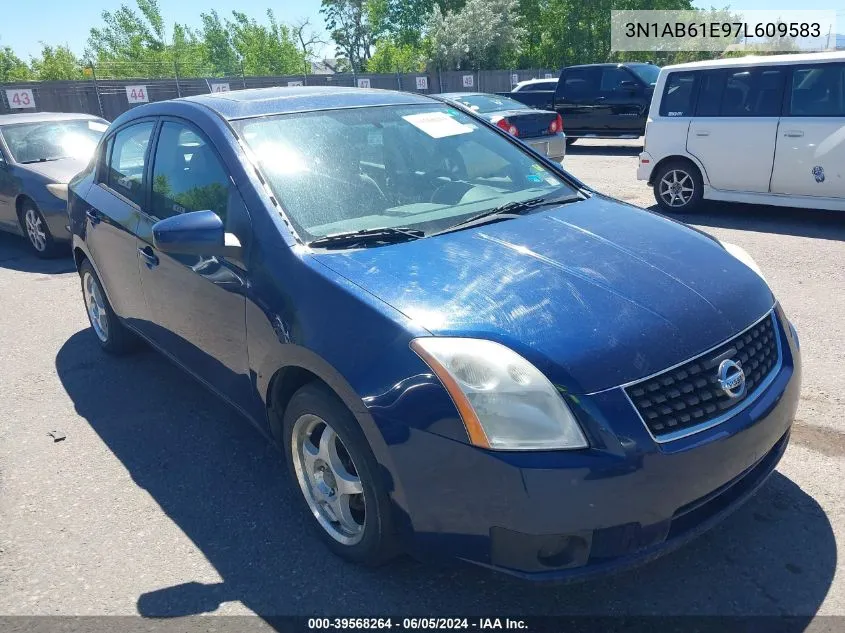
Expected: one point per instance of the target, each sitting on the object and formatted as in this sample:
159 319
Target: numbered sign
219 87
137 94
468 81
548 76
294 83
514 79
422 83
364 82
20 98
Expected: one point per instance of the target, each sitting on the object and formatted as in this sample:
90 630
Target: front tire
37 232
678 187
338 476
111 334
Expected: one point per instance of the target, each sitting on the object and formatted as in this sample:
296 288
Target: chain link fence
109 98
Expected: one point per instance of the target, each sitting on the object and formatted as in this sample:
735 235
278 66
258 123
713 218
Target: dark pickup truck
598 100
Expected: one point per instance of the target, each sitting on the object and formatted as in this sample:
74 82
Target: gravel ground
162 501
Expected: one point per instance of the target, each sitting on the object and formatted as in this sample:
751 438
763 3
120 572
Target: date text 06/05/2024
417 624
722 29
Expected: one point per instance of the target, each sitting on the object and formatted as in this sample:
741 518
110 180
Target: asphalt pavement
161 500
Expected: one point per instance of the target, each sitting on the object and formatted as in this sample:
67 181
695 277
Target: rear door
197 302
810 152
112 208
621 100
577 100
737 118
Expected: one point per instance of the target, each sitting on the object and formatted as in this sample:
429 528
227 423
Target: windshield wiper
509 210
383 235
40 160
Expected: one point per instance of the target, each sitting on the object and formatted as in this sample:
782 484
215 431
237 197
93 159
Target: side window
710 93
612 77
187 174
581 83
755 92
818 91
127 159
678 95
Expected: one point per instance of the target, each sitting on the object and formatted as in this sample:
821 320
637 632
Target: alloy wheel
329 479
35 230
677 188
96 306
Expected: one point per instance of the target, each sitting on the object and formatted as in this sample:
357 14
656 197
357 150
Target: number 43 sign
137 94
20 98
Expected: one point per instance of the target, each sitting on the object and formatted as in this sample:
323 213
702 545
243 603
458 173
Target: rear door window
612 78
581 84
752 92
127 161
678 95
712 86
818 91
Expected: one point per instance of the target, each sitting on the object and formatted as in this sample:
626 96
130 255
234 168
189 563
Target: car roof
240 104
609 65
755 60
458 95
38 117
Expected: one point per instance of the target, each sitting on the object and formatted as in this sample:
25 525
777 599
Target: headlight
504 401
58 190
742 255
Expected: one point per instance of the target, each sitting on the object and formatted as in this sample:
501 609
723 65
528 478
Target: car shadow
579 148
815 223
16 254
227 489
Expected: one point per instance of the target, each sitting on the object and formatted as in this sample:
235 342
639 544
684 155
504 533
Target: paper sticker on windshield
537 167
554 182
437 124
533 178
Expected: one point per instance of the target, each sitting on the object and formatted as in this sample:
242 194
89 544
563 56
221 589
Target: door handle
93 215
702 133
150 258
793 133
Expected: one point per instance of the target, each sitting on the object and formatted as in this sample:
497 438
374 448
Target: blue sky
25 23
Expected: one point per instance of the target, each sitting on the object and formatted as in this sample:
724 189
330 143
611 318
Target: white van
762 130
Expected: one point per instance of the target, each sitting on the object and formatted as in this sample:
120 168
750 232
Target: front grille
690 395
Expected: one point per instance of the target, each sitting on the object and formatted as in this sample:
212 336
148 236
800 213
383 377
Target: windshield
52 140
419 167
489 103
647 72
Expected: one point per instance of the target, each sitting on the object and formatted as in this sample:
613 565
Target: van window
678 95
818 91
710 93
756 92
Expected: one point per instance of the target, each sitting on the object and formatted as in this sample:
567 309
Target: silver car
39 154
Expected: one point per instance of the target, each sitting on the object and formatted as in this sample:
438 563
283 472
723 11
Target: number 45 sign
137 94
19 98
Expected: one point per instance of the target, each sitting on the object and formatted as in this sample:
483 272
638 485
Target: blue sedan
462 350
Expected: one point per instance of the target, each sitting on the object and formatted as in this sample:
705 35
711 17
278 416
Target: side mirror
629 86
195 233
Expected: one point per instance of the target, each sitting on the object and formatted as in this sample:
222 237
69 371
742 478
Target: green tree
389 57
219 52
56 63
12 67
265 50
349 24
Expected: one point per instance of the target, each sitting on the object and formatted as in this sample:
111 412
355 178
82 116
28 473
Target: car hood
595 293
59 171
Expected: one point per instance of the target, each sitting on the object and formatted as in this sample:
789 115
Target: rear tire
338 477
36 231
678 187
111 334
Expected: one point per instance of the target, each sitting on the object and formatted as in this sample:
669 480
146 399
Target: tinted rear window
818 91
678 94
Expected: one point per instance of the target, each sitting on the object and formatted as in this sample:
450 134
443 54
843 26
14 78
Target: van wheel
338 477
112 335
678 187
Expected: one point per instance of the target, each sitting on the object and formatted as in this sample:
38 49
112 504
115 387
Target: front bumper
552 146
645 166
562 515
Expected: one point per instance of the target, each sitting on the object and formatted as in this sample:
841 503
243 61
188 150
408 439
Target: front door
112 208
578 100
621 98
734 131
197 303
810 153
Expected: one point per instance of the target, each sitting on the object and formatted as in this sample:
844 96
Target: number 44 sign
20 98
137 94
